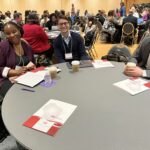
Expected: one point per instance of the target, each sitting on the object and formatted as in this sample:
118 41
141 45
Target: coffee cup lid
131 64
53 68
75 62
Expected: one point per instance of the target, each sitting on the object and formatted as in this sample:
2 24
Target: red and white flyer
50 117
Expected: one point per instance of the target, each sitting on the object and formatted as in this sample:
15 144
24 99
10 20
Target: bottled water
47 78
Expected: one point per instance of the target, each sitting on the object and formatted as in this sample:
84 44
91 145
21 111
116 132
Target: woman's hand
17 72
21 70
30 66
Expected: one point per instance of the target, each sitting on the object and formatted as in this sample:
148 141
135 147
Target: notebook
30 79
50 117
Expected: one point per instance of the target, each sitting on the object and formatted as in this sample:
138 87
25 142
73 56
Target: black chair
90 48
75 27
99 28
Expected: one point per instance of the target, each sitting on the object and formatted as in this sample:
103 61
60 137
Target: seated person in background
15 55
109 26
18 18
90 26
130 18
44 20
100 16
37 38
52 22
68 45
134 10
142 59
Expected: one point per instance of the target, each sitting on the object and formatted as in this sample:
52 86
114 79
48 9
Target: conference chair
90 49
99 28
75 27
128 34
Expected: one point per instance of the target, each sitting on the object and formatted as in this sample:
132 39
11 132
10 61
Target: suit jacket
130 18
78 49
8 56
141 55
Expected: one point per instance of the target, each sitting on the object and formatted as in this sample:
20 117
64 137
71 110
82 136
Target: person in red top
37 38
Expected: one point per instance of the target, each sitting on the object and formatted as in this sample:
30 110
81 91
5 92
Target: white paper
102 63
50 117
132 86
56 111
30 79
43 125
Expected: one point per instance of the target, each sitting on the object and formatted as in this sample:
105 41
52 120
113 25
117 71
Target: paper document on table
50 117
133 86
30 79
102 63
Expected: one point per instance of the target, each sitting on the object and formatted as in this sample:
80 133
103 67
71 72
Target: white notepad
133 86
50 117
30 79
102 63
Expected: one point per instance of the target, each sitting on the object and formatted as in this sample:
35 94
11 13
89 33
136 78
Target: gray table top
107 118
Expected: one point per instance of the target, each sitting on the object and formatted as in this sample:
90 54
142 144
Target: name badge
17 67
68 56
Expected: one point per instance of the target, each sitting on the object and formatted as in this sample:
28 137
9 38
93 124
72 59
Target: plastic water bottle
47 78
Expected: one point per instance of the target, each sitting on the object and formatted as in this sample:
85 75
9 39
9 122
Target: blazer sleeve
59 55
82 52
3 58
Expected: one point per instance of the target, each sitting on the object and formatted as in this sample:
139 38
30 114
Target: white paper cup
53 72
131 64
75 65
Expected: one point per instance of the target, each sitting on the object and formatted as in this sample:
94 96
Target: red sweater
36 37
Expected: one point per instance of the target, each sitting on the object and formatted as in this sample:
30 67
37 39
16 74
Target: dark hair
33 18
51 15
111 13
17 15
91 19
63 17
16 25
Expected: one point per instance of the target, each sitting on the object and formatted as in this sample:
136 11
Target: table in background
107 118
54 34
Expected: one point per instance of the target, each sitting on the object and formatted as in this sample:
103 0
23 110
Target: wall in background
91 5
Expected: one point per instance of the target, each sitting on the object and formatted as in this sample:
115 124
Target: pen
29 90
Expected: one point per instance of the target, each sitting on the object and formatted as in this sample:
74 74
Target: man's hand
133 71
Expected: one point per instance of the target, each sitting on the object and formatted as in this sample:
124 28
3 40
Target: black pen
29 90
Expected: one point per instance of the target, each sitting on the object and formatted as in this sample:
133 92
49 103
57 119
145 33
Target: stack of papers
31 79
102 63
133 86
50 117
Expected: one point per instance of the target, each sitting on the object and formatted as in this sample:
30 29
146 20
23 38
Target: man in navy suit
68 45
130 18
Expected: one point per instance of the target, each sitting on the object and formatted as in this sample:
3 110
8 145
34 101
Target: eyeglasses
63 23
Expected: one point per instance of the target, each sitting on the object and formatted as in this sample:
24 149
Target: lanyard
67 45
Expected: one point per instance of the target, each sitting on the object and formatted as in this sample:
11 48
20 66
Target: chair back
99 26
75 27
128 28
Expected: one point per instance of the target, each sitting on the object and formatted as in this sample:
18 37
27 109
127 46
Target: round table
107 118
